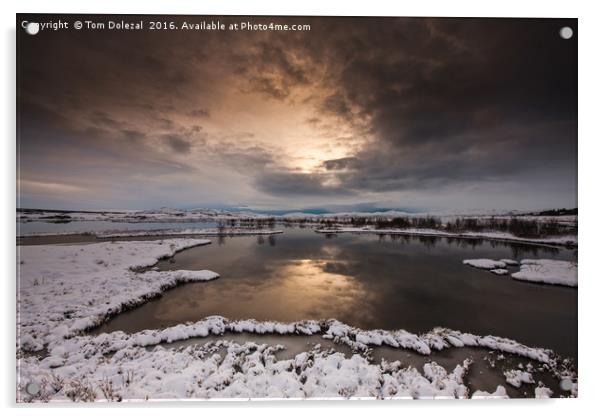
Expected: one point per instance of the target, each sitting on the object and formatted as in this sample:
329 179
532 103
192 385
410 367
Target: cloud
372 109
199 113
48 187
340 164
177 143
295 183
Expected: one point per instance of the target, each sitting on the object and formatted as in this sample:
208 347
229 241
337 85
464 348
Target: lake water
24 228
368 281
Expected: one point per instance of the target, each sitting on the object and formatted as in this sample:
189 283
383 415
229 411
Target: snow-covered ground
152 215
246 370
570 240
554 272
63 290
206 214
66 289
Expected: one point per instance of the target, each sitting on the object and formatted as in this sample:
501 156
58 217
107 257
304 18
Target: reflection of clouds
289 290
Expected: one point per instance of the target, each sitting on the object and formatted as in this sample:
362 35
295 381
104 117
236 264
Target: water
24 228
368 281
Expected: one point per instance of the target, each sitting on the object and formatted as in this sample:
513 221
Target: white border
590 203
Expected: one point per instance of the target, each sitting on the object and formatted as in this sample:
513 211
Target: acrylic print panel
226 207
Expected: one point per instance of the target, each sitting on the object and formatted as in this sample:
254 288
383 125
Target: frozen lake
368 281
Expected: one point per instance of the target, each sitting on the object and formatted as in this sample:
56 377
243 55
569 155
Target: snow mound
500 272
517 377
543 392
555 272
486 264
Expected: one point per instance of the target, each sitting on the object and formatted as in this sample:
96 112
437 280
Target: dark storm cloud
177 143
342 163
133 135
425 104
199 112
460 100
296 183
269 69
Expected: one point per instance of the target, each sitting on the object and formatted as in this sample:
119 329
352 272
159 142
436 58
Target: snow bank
65 289
555 272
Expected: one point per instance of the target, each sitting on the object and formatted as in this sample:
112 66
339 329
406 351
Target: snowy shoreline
250 370
568 240
65 291
197 232
210 232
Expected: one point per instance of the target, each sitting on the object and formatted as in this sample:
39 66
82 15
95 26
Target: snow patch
486 264
555 272
517 377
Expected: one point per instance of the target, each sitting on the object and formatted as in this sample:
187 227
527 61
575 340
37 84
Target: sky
417 114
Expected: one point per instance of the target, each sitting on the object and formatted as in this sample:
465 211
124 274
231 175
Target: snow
152 215
246 370
65 289
542 392
555 272
569 240
494 266
206 232
486 264
499 393
517 377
